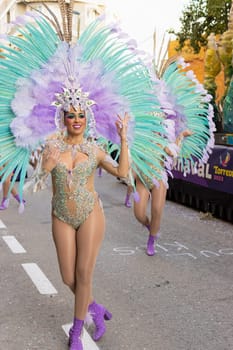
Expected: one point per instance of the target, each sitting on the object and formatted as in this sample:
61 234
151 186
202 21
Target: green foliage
199 19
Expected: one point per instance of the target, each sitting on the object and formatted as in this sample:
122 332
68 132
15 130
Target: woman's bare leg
65 241
6 186
5 200
14 191
89 239
128 195
77 253
158 197
140 207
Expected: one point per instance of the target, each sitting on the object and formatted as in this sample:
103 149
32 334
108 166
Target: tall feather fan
185 102
36 64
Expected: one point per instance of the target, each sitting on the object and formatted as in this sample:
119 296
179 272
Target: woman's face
75 121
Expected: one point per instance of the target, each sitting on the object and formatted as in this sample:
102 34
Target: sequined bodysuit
147 181
72 202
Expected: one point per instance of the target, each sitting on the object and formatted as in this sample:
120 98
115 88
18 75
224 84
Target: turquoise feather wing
190 108
21 54
134 79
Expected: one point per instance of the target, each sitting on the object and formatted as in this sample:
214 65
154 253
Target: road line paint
88 343
14 245
2 224
41 282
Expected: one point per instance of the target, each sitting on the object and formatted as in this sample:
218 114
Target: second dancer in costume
189 114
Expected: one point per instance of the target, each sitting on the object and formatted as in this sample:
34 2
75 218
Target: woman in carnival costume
47 84
155 193
189 119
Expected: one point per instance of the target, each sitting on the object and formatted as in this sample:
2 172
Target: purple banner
217 174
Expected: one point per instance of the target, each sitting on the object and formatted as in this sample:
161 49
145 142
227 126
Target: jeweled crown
74 97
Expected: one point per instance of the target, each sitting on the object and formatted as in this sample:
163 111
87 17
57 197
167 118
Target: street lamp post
78 25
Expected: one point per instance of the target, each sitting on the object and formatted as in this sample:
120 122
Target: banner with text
216 174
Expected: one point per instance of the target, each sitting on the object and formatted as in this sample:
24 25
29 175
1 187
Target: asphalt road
180 299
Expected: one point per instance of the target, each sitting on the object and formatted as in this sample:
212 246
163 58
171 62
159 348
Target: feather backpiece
186 103
36 64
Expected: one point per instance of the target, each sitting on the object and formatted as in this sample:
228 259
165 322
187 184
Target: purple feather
41 120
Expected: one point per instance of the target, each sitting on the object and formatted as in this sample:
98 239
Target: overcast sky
140 18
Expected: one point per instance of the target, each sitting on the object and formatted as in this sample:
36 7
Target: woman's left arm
121 169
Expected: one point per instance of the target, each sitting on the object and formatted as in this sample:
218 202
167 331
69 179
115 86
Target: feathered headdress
38 68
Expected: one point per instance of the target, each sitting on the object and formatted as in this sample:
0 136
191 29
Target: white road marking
88 343
14 245
41 282
2 224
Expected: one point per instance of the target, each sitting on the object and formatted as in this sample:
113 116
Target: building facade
85 11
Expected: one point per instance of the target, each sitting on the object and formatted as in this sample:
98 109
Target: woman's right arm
50 157
46 163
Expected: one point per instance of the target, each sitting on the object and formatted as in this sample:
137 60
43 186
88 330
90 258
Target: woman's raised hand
182 135
122 125
51 156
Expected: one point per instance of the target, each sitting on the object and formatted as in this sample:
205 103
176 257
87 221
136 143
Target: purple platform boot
18 199
21 204
127 201
75 342
150 249
150 244
99 313
4 204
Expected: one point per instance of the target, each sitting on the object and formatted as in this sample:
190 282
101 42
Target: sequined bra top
78 176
